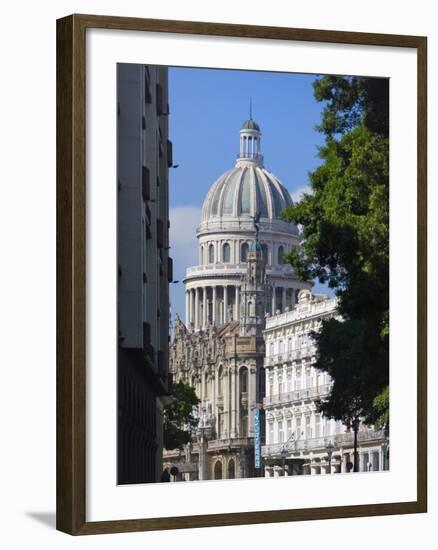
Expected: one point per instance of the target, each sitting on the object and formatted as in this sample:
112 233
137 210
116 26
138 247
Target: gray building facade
144 155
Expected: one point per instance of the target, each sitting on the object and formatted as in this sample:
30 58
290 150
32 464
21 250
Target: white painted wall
27 284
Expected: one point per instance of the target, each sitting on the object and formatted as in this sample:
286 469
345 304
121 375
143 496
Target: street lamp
329 447
355 425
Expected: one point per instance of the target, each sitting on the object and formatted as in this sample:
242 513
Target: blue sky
207 108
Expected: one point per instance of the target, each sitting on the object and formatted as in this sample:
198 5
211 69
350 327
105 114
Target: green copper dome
250 124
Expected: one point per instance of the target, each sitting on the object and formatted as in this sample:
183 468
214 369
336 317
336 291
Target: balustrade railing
298 395
338 440
292 355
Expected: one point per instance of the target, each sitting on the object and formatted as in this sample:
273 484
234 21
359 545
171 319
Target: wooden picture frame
71 271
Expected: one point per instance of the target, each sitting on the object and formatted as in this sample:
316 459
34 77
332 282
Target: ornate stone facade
240 279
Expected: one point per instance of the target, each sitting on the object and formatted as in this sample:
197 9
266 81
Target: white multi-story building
299 439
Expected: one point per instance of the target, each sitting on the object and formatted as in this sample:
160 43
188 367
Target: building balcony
297 395
320 443
234 269
227 443
292 355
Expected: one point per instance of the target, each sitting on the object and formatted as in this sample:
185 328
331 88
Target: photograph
252 274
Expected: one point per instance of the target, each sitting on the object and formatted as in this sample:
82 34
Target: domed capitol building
240 280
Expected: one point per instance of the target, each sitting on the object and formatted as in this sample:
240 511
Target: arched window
221 382
211 254
280 255
218 470
244 252
243 379
265 252
231 469
226 253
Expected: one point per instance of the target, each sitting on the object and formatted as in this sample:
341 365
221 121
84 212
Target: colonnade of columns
282 297
218 304
212 305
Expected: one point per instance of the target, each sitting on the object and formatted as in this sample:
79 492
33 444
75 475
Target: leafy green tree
179 421
345 232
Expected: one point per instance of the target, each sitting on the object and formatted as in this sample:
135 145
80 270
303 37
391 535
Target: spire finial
250 107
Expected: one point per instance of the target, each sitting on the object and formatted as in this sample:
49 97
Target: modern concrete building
239 280
299 440
144 154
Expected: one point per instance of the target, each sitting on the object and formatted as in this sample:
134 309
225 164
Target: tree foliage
179 420
345 241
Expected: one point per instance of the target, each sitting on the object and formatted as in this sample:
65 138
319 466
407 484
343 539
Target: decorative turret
254 288
250 146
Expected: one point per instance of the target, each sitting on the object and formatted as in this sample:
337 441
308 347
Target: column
213 305
192 306
238 426
341 454
284 299
312 424
196 308
202 387
226 404
233 402
204 307
372 460
215 406
225 303
274 300
237 299
187 308
251 398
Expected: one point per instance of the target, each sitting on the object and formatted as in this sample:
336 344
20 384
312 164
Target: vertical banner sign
257 446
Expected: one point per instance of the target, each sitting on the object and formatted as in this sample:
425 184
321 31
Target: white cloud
183 223
297 194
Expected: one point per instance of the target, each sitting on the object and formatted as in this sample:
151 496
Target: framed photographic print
241 274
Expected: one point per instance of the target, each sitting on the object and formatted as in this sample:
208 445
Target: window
280 432
308 428
226 253
243 380
289 428
298 423
244 422
218 470
221 382
211 254
231 469
271 433
244 252
265 252
280 254
317 425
